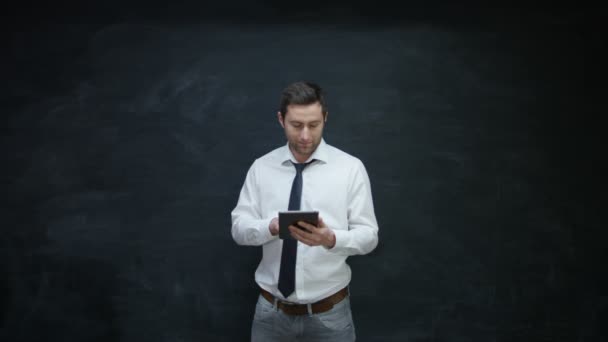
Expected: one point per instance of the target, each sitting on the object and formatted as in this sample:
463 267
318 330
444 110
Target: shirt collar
319 154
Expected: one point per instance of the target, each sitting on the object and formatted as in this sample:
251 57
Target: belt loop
276 304
309 307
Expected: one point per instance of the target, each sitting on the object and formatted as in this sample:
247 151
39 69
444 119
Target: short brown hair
302 93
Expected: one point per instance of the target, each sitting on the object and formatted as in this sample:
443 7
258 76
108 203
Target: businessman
304 282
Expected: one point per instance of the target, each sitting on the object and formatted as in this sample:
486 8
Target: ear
280 118
326 114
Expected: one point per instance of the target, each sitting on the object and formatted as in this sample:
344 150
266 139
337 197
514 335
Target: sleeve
248 226
362 234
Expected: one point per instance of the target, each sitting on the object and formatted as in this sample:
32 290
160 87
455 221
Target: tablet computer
287 218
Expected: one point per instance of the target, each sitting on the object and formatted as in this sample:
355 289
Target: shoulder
344 158
271 158
352 168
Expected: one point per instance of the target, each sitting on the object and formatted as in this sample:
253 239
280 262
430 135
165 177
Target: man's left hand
313 235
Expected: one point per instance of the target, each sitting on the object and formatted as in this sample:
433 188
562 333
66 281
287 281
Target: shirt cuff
341 240
265 230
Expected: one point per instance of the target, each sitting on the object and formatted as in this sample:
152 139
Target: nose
305 134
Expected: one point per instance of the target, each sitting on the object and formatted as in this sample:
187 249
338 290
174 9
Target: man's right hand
274 226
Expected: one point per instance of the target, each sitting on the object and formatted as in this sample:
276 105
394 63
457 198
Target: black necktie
287 273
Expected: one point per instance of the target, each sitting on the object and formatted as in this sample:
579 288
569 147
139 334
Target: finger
300 230
307 226
310 227
295 234
321 223
299 235
303 236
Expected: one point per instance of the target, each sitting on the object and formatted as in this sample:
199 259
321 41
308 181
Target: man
304 293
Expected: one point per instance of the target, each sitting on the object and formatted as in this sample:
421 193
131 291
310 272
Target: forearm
355 241
251 232
361 237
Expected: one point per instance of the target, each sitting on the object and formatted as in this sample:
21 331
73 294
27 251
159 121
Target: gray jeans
270 324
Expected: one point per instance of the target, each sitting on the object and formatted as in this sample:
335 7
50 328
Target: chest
324 187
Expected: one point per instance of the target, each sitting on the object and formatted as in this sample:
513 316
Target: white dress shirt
336 185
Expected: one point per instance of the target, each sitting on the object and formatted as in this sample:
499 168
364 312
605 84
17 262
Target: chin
304 151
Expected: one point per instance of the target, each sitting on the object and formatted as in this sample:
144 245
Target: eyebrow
300 122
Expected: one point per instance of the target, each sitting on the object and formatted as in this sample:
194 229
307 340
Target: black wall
128 128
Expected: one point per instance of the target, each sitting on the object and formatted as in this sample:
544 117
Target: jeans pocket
264 311
338 318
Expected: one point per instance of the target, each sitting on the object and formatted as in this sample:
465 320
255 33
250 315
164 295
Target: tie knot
300 166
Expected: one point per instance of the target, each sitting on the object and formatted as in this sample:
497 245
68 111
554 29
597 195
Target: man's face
303 126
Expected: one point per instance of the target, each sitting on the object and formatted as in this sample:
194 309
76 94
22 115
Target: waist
320 306
323 271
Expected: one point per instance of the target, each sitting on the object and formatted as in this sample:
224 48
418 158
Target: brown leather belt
302 309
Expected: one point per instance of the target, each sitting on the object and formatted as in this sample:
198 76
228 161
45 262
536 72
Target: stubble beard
306 152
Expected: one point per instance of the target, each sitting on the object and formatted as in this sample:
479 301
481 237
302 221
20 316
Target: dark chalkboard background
128 128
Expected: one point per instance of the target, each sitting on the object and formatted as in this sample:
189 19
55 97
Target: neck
299 157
